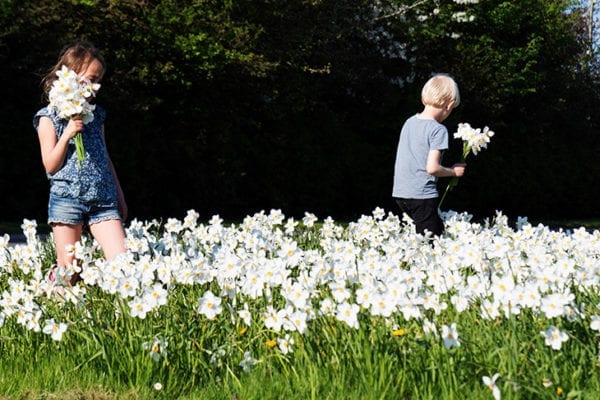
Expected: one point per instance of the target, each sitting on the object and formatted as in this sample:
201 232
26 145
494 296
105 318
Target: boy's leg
110 235
64 235
424 214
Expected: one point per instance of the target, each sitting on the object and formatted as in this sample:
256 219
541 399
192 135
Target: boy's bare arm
436 169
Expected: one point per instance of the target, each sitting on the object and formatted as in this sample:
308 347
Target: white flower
378 213
309 219
475 139
491 384
276 217
158 348
55 330
274 319
554 337
595 324
138 307
348 313
69 95
450 336
248 362
285 344
429 328
245 314
209 305
158 386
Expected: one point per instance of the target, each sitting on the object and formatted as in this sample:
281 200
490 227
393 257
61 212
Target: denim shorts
67 210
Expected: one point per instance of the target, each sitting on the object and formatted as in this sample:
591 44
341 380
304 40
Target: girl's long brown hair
74 57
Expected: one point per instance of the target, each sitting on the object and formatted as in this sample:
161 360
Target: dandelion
491 384
554 337
450 336
399 332
158 386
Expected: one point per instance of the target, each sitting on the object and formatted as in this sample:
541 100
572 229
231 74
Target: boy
418 159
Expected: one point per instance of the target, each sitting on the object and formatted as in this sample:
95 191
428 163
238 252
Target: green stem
453 182
79 149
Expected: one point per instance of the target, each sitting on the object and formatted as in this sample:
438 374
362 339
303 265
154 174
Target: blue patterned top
92 180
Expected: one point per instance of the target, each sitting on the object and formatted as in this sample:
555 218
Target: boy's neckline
421 117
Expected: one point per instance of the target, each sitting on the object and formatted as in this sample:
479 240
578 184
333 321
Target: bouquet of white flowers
69 96
474 140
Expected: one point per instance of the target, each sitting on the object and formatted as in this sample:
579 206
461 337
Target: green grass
102 355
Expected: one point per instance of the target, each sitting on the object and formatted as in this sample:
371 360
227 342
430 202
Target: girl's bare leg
64 235
110 235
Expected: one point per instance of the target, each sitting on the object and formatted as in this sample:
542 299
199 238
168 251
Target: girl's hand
74 126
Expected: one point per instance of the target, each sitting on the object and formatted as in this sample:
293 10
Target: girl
80 193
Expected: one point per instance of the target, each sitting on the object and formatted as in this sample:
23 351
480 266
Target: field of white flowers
308 308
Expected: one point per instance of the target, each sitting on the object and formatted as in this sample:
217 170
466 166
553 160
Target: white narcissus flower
491 384
285 344
474 140
158 348
348 313
55 330
209 305
595 324
450 336
248 362
554 337
69 96
309 219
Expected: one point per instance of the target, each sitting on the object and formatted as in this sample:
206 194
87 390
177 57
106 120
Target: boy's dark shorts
424 213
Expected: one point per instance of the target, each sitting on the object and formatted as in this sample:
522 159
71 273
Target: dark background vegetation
231 107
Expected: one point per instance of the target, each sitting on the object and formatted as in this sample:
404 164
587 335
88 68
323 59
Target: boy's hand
459 169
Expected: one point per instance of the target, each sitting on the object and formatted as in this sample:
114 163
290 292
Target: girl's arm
53 149
121 196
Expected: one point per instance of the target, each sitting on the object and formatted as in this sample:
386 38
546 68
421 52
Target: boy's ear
449 106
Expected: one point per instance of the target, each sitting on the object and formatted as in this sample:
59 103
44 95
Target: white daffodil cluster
69 95
474 140
376 265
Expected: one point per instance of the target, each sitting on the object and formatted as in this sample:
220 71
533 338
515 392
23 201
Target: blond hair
439 90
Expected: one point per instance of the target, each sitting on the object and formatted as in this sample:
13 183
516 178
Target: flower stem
79 149
453 182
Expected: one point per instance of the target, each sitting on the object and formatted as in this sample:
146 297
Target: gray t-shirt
418 137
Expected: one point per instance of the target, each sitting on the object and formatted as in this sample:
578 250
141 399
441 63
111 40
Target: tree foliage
233 106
